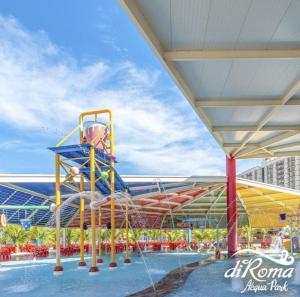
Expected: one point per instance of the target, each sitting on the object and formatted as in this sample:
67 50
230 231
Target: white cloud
43 88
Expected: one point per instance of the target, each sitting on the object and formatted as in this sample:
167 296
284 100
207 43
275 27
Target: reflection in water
237 284
297 274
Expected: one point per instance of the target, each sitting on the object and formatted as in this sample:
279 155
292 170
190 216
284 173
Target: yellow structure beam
82 261
58 268
99 260
113 263
67 136
127 259
93 267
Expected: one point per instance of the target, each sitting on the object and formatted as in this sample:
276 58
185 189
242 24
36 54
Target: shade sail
157 201
265 204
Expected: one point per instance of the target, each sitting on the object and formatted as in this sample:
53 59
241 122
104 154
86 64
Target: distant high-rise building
284 172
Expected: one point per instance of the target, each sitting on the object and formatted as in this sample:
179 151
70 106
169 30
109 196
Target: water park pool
36 279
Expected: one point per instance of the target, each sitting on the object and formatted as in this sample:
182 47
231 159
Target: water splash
139 219
283 258
69 198
277 242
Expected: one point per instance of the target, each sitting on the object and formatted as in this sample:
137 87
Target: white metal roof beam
258 146
253 128
196 55
264 144
284 146
215 102
156 201
237 144
265 119
275 155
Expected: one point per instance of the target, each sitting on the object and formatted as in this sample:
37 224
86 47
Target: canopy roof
237 63
156 201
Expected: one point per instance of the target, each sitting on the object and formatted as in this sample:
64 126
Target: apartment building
283 172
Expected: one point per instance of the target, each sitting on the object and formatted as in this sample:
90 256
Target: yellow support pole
127 259
58 268
67 136
113 263
82 263
100 260
93 267
82 205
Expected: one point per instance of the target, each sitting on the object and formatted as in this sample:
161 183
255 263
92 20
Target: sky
60 58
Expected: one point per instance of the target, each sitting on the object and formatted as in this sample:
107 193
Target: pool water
209 281
36 279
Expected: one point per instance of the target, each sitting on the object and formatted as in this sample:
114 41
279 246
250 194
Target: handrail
67 136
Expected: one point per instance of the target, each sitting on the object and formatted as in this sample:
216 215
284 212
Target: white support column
64 237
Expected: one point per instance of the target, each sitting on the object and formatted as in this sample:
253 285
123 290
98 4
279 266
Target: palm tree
104 234
173 235
199 236
117 233
135 235
121 233
154 234
4 238
51 236
264 232
72 235
38 234
16 234
184 235
223 233
209 234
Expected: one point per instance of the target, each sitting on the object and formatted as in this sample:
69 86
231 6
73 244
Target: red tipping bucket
95 132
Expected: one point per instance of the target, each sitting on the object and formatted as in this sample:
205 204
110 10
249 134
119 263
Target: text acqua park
258 275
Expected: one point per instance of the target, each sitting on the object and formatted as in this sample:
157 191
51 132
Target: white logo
261 277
